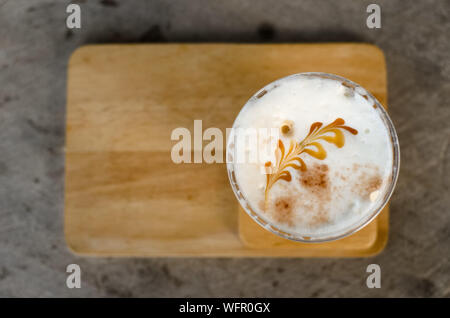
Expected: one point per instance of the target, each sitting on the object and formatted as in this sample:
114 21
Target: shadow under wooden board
123 194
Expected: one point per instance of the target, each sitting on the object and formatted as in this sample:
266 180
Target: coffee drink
333 164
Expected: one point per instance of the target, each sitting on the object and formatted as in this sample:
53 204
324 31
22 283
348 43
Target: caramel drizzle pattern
292 157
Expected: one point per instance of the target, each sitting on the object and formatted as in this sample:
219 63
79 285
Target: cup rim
339 234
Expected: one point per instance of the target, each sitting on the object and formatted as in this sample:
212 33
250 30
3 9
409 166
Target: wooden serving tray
123 194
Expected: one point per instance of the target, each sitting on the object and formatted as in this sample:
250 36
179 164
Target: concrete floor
34 50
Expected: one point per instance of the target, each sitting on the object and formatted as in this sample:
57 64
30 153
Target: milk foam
333 194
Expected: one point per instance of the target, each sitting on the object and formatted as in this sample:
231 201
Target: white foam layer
333 194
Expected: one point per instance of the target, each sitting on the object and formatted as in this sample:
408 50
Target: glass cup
367 217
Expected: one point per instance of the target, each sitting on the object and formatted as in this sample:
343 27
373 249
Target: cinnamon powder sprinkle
369 180
373 184
317 182
284 207
316 177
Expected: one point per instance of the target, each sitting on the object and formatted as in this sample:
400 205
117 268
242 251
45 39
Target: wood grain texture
123 194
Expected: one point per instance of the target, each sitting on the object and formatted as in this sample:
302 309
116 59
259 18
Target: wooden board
123 194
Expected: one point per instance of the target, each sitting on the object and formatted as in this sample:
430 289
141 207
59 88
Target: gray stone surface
34 50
